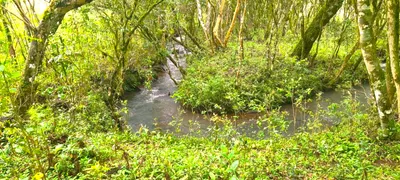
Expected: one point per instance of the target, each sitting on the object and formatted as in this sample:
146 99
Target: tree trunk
218 22
393 40
209 14
228 34
52 19
344 64
376 74
206 26
322 18
241 46
200 18
391 89
11 50
242 18
355 66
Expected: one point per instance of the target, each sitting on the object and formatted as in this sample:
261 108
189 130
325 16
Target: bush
222 83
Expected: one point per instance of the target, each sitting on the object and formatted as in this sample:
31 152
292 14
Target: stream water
155 109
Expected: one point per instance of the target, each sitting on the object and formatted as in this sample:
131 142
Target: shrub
223 83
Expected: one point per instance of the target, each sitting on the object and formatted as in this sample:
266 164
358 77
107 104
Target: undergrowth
53 145
222 82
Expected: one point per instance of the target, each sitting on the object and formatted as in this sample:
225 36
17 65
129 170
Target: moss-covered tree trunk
303 47
376 74
52 19
3 13
393 40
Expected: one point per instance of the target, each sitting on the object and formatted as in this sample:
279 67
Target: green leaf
212 176
339 148
30 129
58 148
234 165
18 150
234 177
2 68
224 149
13 90
231 155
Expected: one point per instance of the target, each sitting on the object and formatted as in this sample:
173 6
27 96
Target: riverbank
156 110
295 95
347 150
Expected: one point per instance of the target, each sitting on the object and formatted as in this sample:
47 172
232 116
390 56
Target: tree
3 13
303 47
393 40
52 19
376 75
123 22
221 32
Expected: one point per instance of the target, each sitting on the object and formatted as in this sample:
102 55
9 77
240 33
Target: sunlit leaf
234 165
13 90
212 176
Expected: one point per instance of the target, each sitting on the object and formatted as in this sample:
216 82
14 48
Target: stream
156 110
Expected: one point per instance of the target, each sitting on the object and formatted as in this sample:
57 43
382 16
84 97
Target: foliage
53 146
74 131
223 83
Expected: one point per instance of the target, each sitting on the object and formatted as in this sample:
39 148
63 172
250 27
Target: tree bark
52 19
241 46
391 89
200 18
393 40
242 18
228 34
205 26
303 47
376 74
11 49
209 14
217 25
345 63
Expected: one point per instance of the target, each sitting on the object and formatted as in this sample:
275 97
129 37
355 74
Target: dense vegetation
83 149
65 66
219 83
